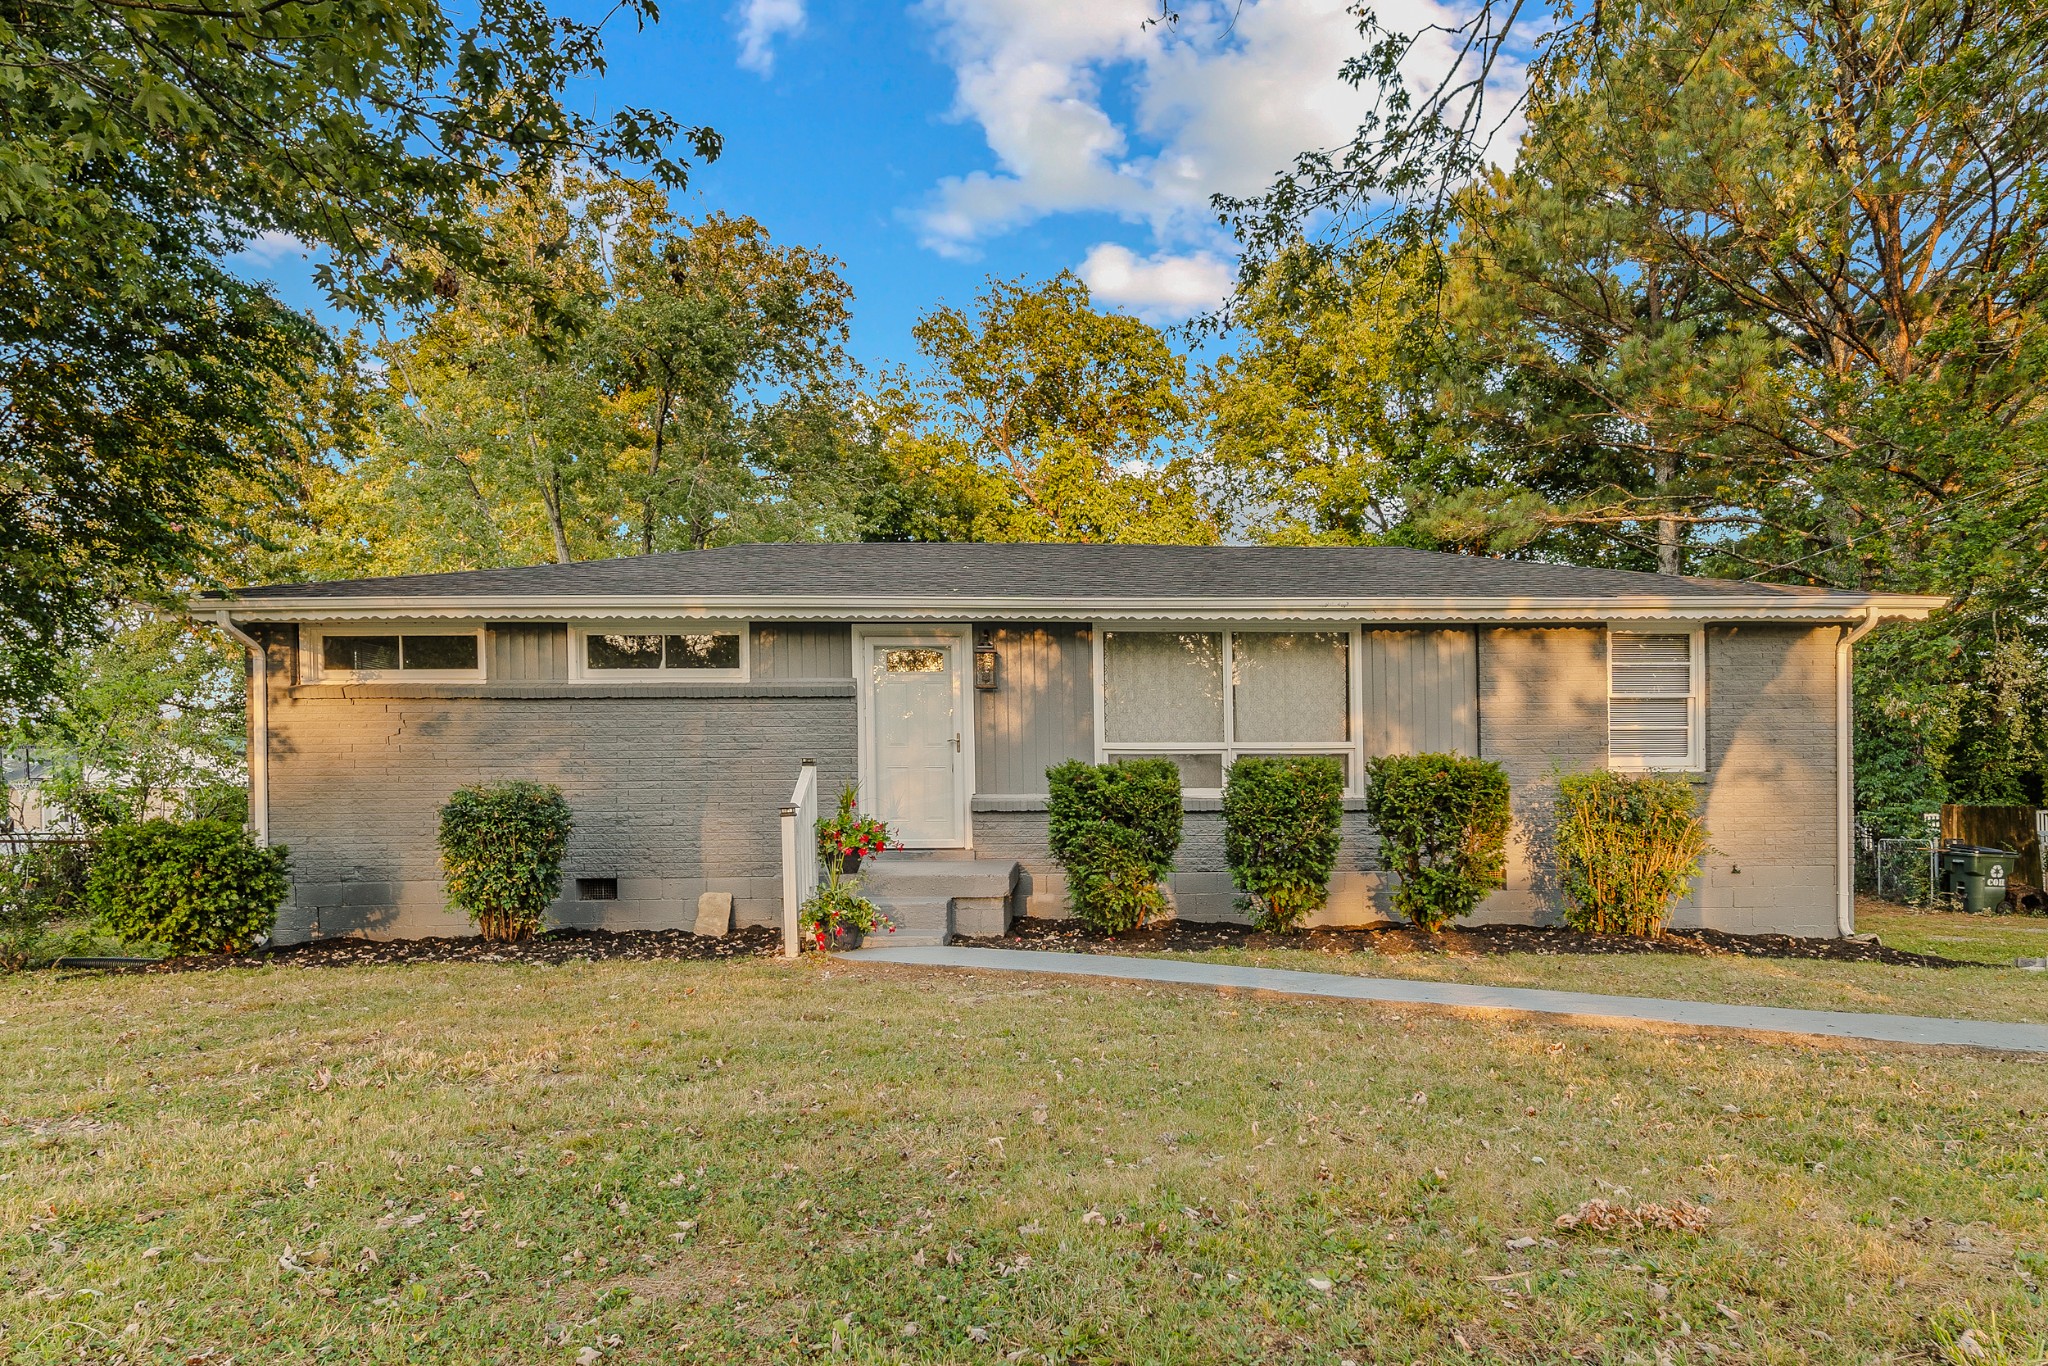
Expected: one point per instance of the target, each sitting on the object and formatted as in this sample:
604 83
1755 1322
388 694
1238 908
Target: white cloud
268 248
1086 109
1163 287
760 23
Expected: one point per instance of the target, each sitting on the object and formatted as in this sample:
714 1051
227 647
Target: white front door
915 740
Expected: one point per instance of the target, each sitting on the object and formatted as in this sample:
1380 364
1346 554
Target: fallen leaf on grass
1604 1216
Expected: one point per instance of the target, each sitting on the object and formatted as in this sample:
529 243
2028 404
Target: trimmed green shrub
39 888
1627 848
501 848
1282 818
1443 826
186 886
1115 828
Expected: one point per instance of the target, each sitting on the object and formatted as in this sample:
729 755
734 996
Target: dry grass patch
760 1162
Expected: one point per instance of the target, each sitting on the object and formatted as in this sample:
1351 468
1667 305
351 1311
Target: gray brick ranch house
674 698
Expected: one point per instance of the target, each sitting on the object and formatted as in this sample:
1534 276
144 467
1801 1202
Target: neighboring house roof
893 579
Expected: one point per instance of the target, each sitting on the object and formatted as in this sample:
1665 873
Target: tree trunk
1669 553
1663 463
661 408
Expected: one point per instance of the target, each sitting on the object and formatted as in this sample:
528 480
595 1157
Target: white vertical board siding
1042 711
787 651
525 652
1421 691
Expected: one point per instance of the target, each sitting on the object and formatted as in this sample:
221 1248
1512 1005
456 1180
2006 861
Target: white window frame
579 651
313 651
1695 700
1229 749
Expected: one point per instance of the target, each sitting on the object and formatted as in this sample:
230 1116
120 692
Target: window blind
1652 689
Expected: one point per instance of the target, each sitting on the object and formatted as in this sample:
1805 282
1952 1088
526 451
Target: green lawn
753 1161
1951 934
1995 990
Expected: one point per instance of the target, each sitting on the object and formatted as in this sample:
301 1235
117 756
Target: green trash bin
1976 874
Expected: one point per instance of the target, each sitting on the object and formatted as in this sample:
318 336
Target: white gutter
820 607
1845 775
259 728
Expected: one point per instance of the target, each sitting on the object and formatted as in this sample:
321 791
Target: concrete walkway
1836 1024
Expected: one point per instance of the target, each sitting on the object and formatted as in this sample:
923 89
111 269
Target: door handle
956 741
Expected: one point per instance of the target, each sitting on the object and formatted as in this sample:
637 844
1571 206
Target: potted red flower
837 917
849 835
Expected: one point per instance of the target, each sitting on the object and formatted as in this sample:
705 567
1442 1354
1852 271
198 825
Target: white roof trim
1833 607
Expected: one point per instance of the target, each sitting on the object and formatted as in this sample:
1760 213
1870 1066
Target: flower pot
849 865
841 938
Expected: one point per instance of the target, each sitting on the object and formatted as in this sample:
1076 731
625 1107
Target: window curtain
1162 687
1291 687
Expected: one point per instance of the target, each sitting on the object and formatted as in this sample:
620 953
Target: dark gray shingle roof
983 570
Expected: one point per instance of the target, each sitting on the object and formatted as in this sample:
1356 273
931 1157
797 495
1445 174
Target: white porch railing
799 852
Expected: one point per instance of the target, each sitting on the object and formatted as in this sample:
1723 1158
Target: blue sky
933 144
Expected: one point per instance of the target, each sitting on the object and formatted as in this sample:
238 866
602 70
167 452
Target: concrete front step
932 899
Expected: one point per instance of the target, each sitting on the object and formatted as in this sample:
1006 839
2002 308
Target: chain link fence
1898 870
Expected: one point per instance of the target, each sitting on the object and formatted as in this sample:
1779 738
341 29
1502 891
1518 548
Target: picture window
1206 698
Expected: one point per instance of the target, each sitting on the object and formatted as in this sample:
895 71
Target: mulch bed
1175 936
556 946
1178 936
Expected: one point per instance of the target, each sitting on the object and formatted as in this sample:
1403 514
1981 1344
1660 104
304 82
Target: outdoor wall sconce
985 664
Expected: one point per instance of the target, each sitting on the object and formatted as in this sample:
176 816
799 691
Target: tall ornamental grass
1628 847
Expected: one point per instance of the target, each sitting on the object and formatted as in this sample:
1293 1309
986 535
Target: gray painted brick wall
672 796
1768 794
1542 712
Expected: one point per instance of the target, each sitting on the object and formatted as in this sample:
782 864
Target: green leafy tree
1762 295
685 385
151 723
145 145
1306 420
1073 417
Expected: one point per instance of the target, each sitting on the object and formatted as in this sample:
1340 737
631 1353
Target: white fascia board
1732 607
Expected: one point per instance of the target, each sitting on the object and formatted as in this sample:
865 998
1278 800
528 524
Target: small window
597 889
914 661
437 652
425 653
622 652
356 654
649 654
1654 699
713 650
